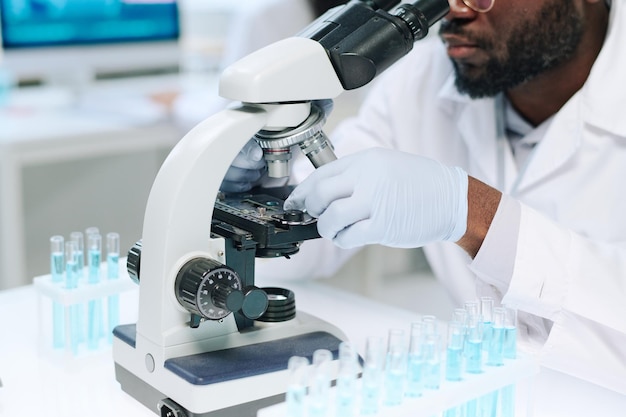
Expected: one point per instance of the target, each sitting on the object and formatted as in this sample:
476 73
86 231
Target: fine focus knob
255 302
208 289
228 297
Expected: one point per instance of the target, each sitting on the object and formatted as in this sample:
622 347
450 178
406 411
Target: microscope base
233 381
151 397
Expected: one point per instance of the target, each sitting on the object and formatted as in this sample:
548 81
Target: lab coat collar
477 124
603 93
598 103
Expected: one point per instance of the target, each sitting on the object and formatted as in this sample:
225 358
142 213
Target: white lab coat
569 272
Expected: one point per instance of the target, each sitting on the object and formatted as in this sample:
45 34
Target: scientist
502 151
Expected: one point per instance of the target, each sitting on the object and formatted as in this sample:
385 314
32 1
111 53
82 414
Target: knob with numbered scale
211 290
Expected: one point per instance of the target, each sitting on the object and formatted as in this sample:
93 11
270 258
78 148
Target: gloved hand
387 197
247 169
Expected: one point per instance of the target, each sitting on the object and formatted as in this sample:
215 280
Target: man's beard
533 47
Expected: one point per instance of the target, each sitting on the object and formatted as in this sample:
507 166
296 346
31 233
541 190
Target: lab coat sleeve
580 285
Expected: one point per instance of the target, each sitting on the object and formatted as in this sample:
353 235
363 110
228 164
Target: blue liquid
113 307
454 363
94 330
113 310
394 387
507 401
80 263
370 394
346 392
56 266
345 405
415 378
71 282
473 357
58 326
487 331
94 266
318 409
454 412
495 355
510 342
489 405
432 374
295 401
113 266
471 408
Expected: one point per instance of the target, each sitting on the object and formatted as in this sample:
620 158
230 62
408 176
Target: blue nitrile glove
246 170
386 197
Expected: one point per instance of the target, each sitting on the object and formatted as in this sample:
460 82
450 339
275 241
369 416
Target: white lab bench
36 385
60 164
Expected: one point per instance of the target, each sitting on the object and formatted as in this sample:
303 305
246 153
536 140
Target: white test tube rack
516 373
51 294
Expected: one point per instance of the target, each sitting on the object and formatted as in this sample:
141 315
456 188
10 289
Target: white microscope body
178 363
177 228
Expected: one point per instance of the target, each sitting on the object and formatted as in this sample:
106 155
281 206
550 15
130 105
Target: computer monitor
44 40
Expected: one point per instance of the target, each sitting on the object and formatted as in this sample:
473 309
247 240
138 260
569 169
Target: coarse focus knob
205 288
133 260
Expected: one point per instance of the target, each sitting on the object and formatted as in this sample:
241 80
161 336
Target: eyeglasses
481 6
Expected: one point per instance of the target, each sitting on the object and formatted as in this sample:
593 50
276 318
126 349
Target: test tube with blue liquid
113 256
415 365
371 381
57 269
71 283
298 367
80 253
486 310
473 345
454 351
495 353
94 307
347 380
395 367
431 353
509 351
319 389
432 361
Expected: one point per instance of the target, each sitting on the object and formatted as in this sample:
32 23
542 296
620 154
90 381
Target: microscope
207 341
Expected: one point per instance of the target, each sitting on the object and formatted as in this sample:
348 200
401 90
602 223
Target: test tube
415 379
473 345
430 324
80 252
432 361
454 351
298 368
113 273
71 283
495 356
472 308
94 244
372 375
347 380
510 332
94 307
93 230
319 390
57 267
395 367
486 310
